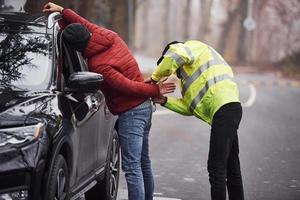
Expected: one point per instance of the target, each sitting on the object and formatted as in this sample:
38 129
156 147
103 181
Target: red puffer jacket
107 54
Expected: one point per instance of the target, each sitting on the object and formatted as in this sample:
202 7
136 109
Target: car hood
19 108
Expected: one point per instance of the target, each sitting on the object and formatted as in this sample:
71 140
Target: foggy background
270 39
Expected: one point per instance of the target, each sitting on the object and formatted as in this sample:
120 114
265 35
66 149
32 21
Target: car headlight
20 135
17 195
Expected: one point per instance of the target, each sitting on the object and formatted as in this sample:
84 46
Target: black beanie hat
77 36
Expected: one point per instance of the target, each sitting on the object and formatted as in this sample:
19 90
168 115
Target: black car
57 137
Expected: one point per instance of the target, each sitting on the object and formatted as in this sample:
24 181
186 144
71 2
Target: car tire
58 187
107 189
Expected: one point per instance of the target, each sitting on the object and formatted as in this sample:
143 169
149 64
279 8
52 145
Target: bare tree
205 8
232 13
119 18
145 24
186 20
233 40
277 32
165 24
242 42
85 8
34 6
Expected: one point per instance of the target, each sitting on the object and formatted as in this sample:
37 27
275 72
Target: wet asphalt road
269 145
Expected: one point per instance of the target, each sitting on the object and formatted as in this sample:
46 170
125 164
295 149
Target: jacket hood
101 39
94 46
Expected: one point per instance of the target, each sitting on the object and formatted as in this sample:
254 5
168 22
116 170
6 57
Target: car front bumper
22 171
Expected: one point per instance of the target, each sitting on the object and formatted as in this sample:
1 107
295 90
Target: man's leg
146 163
224 128
234 177
131 140
217 161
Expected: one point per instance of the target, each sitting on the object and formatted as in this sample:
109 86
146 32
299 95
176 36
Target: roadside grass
290 65
291 70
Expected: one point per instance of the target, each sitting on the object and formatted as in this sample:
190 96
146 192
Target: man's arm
126 86
72 17
69 17
176 105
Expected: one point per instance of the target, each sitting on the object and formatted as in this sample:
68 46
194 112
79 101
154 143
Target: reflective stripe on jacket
206 80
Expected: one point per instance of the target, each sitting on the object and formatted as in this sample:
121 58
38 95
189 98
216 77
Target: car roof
20 21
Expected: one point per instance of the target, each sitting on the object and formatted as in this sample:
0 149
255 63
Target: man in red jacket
125 91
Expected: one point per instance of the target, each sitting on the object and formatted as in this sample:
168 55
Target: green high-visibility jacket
206 80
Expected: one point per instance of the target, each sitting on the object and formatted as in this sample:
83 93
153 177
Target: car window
73 62
25 60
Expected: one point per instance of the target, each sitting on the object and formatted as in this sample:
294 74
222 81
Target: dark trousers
223 160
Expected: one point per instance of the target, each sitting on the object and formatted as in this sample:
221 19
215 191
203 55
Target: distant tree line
112 14
221 24
148 25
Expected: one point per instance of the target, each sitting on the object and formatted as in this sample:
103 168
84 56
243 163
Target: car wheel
58 188
108 188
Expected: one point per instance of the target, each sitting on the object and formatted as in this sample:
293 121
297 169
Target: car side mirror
84 82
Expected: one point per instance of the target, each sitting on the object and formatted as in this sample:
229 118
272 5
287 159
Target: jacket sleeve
177 105
70 17
119 82
62 24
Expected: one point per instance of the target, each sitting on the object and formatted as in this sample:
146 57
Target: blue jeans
134 127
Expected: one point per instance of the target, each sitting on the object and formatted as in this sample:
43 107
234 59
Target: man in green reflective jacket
209 93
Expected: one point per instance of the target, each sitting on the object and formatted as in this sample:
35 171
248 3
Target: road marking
190 180
269 83
122 195
252 97
163 112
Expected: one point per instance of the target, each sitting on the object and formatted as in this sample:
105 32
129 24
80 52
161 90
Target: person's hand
52 7
166 88
160 100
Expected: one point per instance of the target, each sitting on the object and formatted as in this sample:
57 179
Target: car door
106 121
86 119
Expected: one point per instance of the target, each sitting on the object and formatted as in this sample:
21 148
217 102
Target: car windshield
25 60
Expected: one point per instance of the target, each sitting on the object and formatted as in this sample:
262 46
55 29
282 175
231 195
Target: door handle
95 104
92 103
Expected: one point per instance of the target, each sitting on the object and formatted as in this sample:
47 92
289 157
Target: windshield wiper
10 88
3 20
